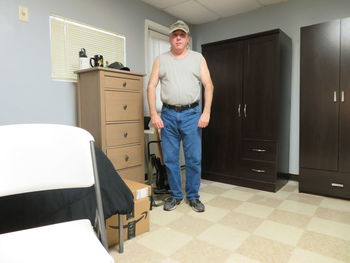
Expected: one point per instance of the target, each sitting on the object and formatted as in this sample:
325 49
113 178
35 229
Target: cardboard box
137 222
139 190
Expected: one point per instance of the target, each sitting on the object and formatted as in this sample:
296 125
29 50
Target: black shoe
196 205
171 203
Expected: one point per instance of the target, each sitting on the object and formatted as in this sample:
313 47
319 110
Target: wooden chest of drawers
111 108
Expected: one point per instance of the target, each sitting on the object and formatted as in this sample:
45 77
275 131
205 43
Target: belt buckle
179 108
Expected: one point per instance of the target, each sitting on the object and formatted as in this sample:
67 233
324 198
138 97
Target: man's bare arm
208 94
151 95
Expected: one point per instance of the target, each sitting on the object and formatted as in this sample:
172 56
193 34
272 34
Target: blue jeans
182 126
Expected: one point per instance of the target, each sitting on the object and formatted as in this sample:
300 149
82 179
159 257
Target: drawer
324 183
136 173
125 157
124 133
114 82
258 150
260 171
122 106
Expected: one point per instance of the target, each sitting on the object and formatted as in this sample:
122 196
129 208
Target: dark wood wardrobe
247 140
325 109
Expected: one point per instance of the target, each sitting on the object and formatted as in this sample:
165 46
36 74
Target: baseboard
288 176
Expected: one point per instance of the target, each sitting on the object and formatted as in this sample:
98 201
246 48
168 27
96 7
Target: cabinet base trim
288 176
259 185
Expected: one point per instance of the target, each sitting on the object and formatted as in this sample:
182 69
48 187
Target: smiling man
181 73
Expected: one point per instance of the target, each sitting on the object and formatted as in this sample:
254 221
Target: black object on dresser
247 140
325 109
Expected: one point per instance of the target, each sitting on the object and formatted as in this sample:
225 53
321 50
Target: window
156 43
67 39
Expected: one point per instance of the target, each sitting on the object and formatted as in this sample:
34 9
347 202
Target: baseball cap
179 25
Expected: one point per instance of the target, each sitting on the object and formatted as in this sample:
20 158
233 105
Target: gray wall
27 93
288 16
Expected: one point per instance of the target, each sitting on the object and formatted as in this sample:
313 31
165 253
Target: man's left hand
204 120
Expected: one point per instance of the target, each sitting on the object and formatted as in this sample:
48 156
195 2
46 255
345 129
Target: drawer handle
258 150
258 171
126 158
124 84
337 185
125 106
125 134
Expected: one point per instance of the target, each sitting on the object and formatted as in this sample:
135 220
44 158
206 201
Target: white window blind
67 39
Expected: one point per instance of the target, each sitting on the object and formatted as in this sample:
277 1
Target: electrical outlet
23 14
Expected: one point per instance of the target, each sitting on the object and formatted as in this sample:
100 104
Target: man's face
178 40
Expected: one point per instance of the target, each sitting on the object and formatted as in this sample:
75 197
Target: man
181 73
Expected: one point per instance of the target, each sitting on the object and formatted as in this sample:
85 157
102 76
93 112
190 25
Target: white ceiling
203 11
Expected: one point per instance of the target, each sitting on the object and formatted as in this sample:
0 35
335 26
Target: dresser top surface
109 70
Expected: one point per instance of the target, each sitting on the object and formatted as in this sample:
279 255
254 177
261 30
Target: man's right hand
157 121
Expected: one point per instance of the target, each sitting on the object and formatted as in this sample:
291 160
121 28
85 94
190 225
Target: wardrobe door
319 96
260 84
220 138
344 140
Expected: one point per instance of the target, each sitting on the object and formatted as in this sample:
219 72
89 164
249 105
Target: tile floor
243 225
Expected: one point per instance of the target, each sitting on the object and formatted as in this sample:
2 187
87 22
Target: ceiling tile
192 12
270 2
161 4
203 11
230 7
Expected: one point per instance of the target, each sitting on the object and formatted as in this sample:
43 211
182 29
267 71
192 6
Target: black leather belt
181 107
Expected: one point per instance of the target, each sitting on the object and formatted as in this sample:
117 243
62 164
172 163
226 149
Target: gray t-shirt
180 78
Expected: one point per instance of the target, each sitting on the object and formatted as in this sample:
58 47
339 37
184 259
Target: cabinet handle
125 106
125 134
258 150
334 96
342 96
258 171
126 158
124 84
337 185
245 110
239 110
